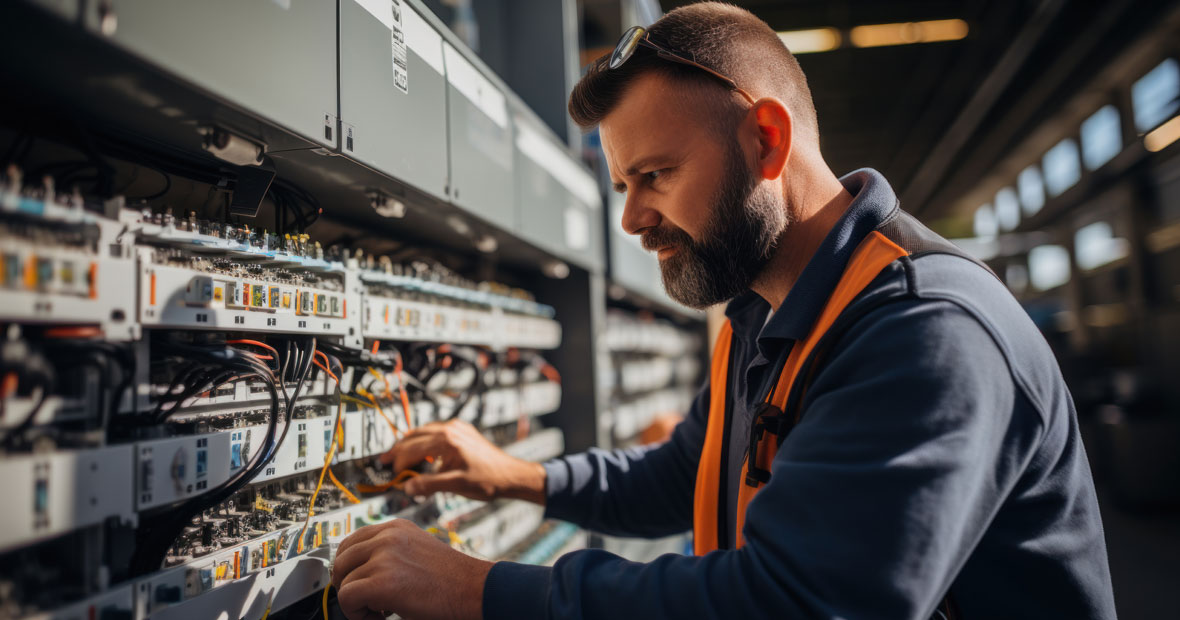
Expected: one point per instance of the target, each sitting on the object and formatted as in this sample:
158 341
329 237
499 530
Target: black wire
163 529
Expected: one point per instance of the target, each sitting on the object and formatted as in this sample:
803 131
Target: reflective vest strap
709 468
871 257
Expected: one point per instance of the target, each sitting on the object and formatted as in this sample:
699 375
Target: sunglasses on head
636 36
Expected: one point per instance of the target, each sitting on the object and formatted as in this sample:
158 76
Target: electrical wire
165 527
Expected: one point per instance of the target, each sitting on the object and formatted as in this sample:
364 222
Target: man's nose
637 218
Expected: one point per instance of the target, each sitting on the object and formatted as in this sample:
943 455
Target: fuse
9 269
258 298
235 295
274 297
43 274
321 304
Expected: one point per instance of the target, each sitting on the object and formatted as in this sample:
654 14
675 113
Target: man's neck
817 211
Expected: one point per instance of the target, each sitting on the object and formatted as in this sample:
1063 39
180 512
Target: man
885 434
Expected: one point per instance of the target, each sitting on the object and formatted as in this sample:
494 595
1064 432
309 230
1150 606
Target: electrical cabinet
560 202
274 59
480 137
393 110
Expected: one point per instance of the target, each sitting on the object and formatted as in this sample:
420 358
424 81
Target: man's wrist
473 596
527 482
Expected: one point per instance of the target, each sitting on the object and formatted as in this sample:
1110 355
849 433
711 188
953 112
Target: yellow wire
396 483
326 588
388 388
352 498
270 599
358 402
375 405
324 470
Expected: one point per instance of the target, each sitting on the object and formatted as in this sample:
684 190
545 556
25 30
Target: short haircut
723 37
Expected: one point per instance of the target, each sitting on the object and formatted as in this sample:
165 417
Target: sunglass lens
627 44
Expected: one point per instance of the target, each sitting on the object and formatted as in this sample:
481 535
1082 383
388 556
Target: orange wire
396 430
255 343
339 485
396 483
73 332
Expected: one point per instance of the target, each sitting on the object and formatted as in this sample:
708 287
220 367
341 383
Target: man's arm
640 491
913 434
643 491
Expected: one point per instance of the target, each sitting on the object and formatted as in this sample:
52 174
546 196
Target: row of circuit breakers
189 409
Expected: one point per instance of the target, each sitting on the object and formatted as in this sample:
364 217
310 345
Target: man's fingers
358 598
357 537
427 484
418 448
417 434
353 557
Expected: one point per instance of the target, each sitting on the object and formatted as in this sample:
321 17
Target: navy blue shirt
938 451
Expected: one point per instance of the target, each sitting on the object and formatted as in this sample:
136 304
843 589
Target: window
1155 97
1032 190
1048 266
1062 167
1007 209
985 222
1102 137
1095 245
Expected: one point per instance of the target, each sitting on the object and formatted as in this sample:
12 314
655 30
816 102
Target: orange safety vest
873 254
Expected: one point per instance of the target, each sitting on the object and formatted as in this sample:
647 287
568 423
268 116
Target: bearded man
884 433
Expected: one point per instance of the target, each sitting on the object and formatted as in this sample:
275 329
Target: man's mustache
662 237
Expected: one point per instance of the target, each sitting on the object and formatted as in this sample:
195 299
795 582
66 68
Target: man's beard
746 220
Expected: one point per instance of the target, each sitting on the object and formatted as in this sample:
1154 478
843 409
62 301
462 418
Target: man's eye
654 174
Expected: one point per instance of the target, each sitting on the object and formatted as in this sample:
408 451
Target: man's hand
397 568
470 465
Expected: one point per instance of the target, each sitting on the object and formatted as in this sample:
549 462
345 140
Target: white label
423 39
475 87
577 229
557 163
397 37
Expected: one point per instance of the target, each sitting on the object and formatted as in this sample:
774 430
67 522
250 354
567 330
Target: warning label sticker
398 39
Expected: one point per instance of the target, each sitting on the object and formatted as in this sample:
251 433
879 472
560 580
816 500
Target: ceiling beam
934 168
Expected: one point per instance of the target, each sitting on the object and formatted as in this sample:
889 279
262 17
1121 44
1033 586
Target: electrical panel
175 389
244 249
655 367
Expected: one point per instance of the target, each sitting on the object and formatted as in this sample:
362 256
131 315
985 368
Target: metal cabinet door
275 59
397 129
482 180
559 201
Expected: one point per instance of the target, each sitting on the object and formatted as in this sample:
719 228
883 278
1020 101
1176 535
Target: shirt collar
873 202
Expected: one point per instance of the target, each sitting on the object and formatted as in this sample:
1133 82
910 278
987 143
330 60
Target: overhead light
906 33
1163 135
810 41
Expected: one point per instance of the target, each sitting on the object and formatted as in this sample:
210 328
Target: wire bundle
208 368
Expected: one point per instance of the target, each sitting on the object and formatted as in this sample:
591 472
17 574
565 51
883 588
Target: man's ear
774 125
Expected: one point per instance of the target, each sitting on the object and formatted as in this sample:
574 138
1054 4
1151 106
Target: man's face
690 193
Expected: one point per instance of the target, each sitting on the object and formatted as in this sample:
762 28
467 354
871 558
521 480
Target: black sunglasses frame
636 36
